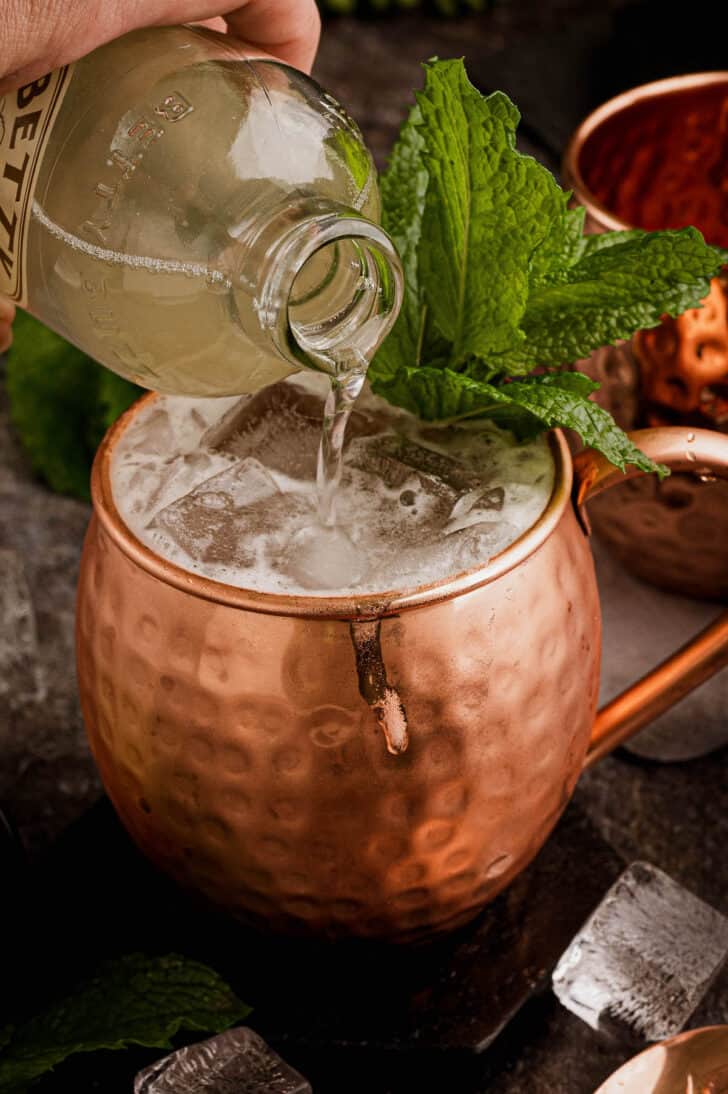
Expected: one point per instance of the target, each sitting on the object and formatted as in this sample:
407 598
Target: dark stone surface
558 59
46 775
450 998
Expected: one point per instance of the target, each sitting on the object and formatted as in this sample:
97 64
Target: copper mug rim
571 168
372 605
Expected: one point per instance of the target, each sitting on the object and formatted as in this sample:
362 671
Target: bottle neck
327 288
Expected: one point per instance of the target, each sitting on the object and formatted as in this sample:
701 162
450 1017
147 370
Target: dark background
557 60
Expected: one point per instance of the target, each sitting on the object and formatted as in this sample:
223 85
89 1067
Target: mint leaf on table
131 1000
61 402
501 280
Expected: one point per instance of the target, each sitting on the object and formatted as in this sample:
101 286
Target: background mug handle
702 452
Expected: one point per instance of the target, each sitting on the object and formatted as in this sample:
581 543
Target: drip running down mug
239 752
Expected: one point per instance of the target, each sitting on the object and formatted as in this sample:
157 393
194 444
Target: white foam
226 488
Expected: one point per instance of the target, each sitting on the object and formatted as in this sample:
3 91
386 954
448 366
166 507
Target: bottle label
26 120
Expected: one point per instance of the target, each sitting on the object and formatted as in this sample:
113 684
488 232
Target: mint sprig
526 406
500 278
131 1000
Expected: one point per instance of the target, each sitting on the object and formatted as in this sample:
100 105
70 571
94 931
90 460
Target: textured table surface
557 60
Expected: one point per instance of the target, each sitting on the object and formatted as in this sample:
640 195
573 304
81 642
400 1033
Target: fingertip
310 36
6 337
288 30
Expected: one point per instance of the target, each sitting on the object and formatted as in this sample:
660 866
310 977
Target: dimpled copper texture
233 740
684 364
672 534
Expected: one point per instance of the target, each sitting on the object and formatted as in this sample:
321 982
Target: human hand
38 37
7 314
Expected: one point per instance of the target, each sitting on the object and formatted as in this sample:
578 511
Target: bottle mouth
332 291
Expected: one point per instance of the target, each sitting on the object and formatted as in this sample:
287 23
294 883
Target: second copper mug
673 534
235 737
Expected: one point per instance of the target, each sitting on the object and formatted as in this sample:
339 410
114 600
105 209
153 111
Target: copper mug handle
702 452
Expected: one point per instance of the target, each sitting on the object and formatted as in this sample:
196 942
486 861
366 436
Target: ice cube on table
205 523
644 959
236 1062
21 676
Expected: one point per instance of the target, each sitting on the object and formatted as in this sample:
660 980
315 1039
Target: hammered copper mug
673 534
239 740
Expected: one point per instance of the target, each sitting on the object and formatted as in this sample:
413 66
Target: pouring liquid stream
374 687
330 464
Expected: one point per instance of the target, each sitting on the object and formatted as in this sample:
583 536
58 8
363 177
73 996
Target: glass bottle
200 223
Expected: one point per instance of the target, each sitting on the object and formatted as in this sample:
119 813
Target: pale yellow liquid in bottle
161 170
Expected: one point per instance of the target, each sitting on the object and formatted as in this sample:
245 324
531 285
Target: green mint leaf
487 209
561 399
616 288
131 1000
559 250
589 245
441 394
526 407
403 187
500 278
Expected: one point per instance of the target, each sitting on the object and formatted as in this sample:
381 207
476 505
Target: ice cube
323 558
365 456
173 478
21 676
157 438
643 961
393 502
491 499
471 508
476 543
397 458
206 523
236 1062
284 421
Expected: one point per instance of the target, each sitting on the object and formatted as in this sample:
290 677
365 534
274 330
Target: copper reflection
232 736
673 534
695 1062
684 364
